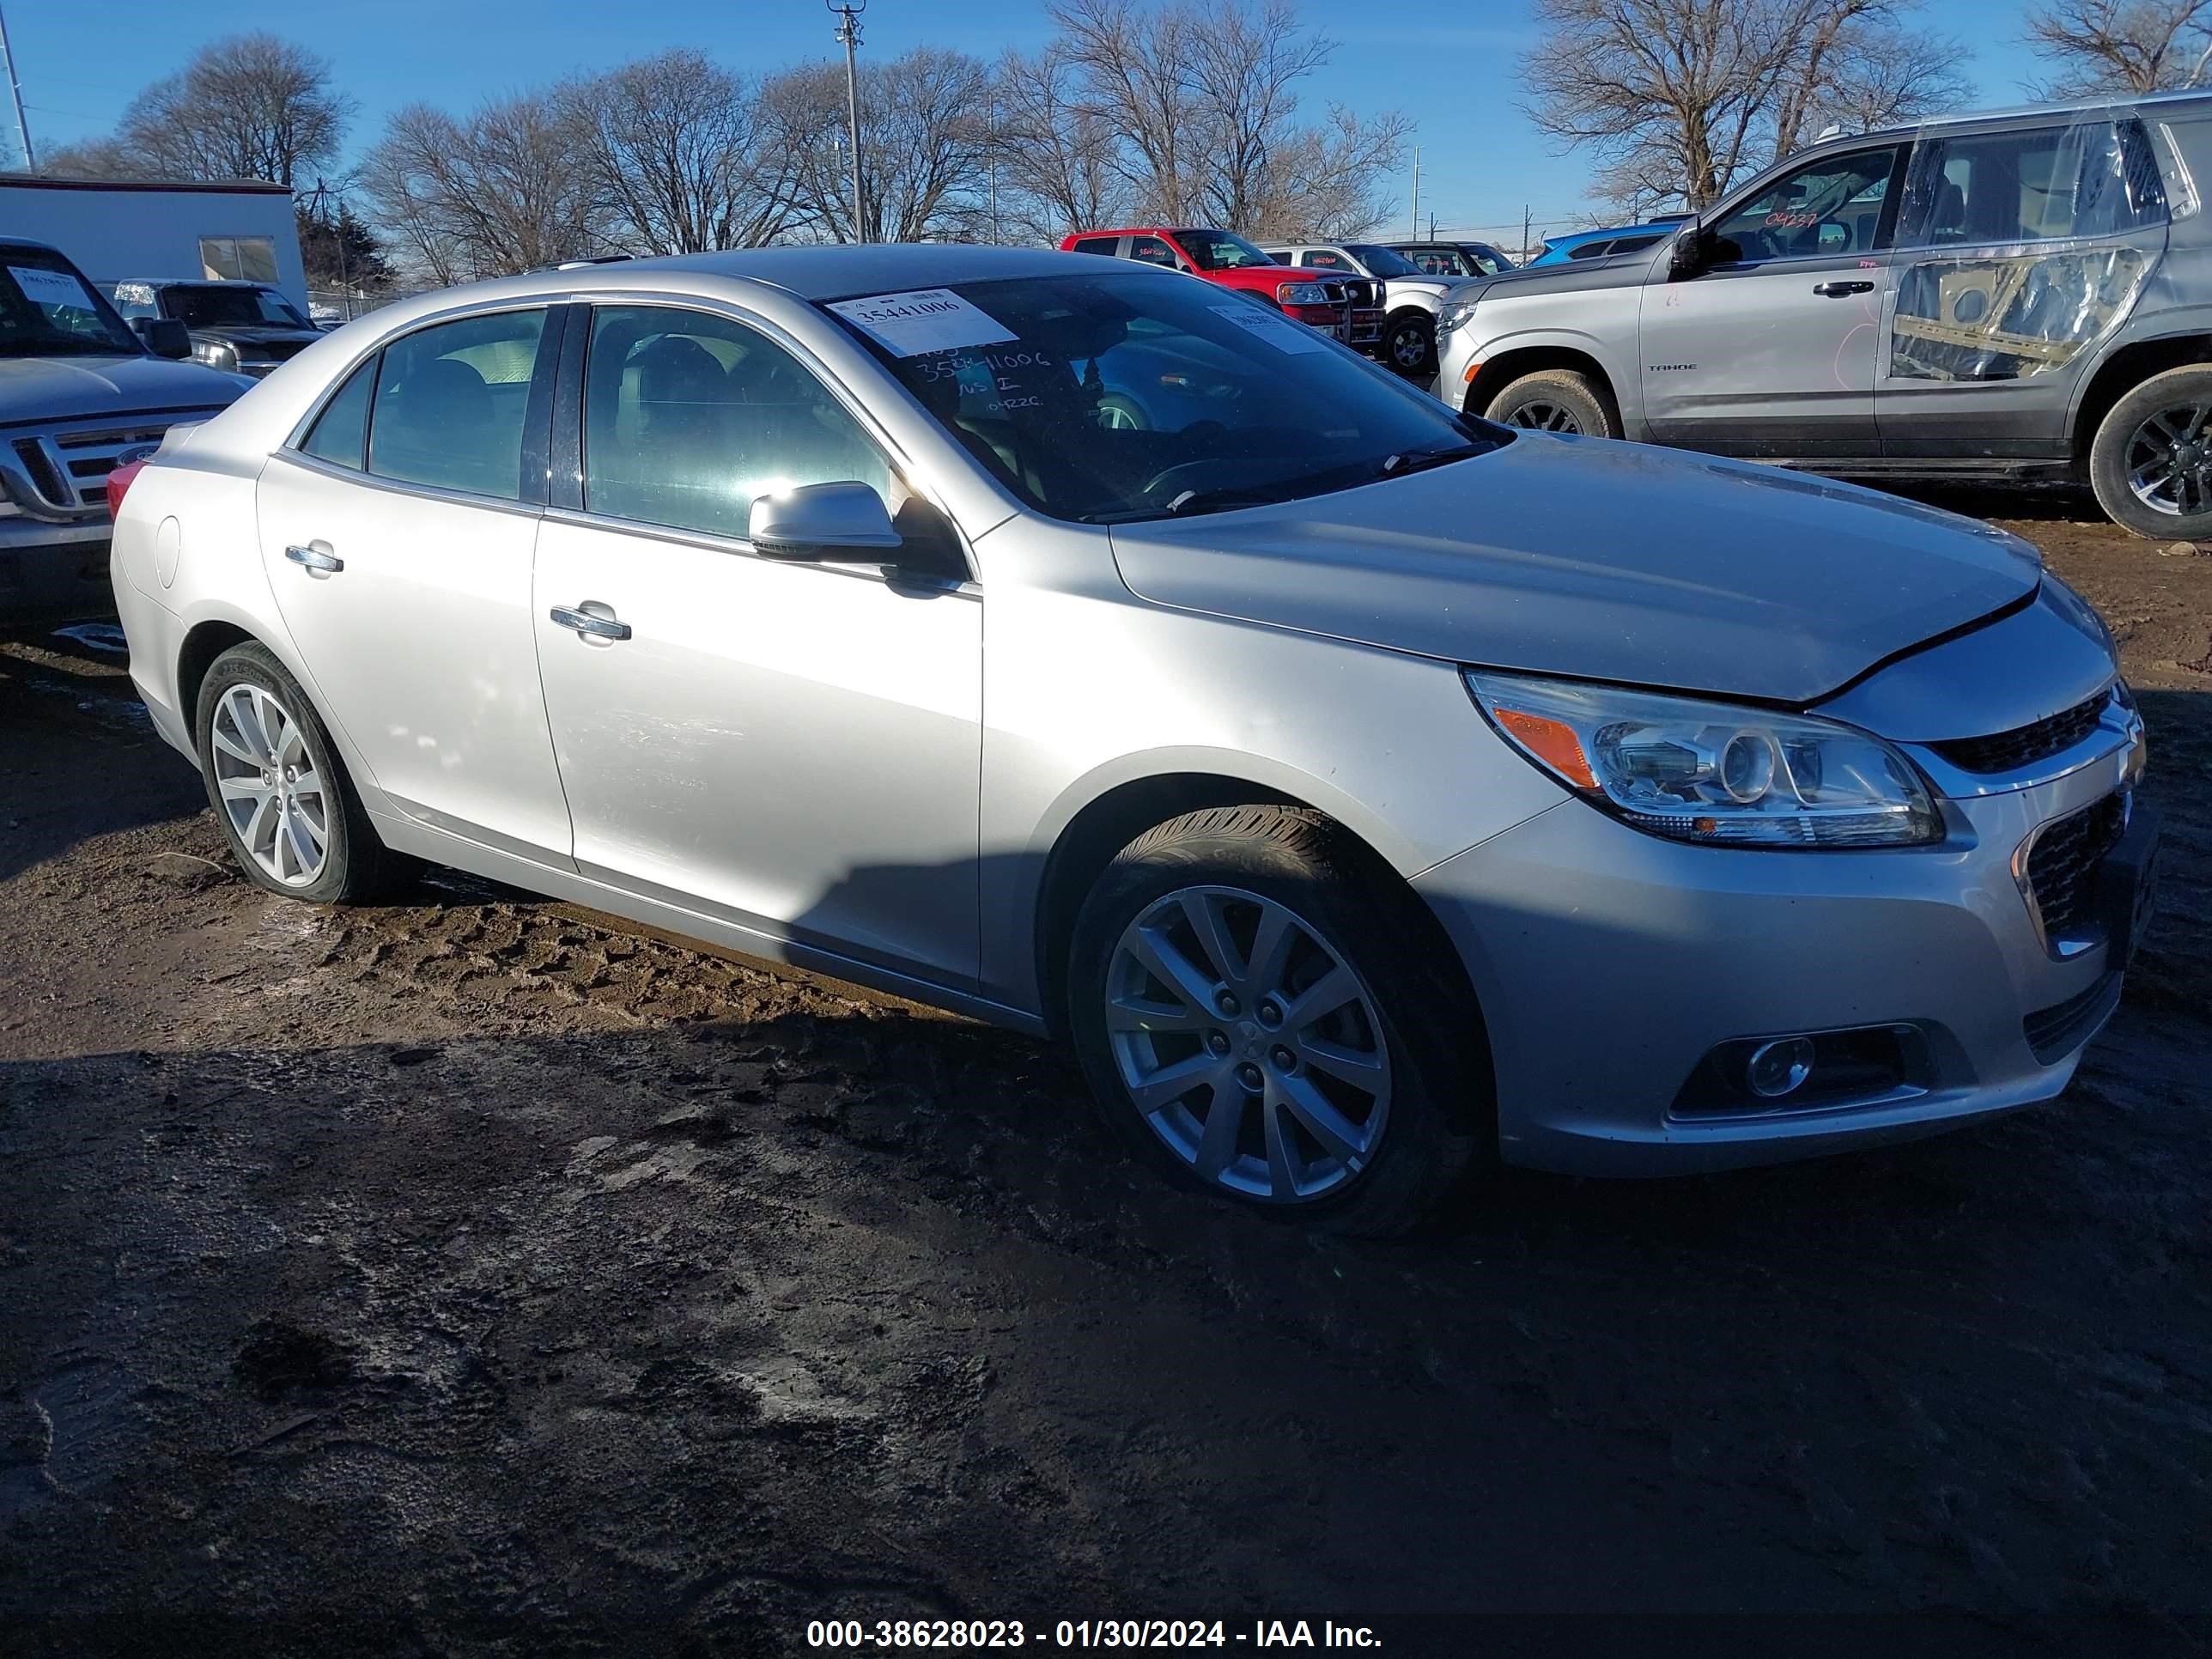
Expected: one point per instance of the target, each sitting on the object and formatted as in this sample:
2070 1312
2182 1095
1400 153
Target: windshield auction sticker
923 320
1276 330
56 289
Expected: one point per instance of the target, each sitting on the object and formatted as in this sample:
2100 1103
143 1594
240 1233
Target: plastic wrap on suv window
2009 317
2181 198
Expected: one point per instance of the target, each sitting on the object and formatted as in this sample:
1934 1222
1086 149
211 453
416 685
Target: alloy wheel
1409 346
2169 460
1541 416
270 790
1250 1046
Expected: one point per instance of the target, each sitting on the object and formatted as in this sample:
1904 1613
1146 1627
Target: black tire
1366 918
1409 345
357 866
1117 409
2178 389
1535 399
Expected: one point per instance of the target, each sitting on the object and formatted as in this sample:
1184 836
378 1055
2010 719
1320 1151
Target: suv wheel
1554 400
279 789
1409 343
1252 1023
2151 460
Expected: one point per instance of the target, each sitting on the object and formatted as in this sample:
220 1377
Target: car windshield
1218 250
1382 261
1112 397
46 310
208 305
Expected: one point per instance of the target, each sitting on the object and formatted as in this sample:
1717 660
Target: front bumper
1609 964
53 572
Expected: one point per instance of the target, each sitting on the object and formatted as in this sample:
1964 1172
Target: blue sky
1480 161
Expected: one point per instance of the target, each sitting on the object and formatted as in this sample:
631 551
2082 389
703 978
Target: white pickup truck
80 394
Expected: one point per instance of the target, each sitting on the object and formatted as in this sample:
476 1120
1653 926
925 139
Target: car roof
840 271
2110 100
190 282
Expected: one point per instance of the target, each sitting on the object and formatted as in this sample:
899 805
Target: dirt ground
475 1275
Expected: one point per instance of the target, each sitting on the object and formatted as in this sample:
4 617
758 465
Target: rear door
1770 351
397 537
2018 248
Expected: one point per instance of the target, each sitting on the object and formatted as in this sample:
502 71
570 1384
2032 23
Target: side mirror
824 523
1691 253
165 337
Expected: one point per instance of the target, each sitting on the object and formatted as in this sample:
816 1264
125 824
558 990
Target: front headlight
1453 314
1302 294
1692 770
217 354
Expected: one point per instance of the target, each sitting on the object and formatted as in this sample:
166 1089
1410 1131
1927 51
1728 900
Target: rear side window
688 416
1104 244
451 402
2089 178
340 434
1153 251
1327 260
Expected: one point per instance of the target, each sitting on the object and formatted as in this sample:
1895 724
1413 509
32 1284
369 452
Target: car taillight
118 481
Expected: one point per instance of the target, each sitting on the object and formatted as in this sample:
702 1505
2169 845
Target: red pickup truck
1350 307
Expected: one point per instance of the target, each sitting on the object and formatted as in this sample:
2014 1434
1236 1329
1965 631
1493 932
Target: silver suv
2012 295
1412 297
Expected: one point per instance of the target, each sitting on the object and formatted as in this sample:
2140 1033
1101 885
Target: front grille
2053 1033
284 350
2061 865
2024 745
67 470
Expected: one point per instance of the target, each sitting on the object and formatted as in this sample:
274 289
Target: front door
1770 351
2018 250
795 748
398 542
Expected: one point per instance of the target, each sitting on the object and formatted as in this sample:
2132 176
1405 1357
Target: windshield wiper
1418 460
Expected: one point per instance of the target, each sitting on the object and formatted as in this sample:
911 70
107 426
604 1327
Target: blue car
1596 244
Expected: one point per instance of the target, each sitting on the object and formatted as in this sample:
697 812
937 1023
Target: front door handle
587 620
1838 291
317 557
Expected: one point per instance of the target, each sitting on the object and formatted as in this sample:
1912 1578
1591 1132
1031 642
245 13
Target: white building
115 229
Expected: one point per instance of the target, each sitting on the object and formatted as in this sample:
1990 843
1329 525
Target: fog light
1779 1068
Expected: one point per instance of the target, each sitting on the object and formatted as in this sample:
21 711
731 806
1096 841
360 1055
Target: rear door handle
318 559
590 623
1838 291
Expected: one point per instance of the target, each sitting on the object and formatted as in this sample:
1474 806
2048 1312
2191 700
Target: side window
1104 244
340 434
1830 206
1327 260
2091 178
688 416
1589 250
451 402
1153 251
134 299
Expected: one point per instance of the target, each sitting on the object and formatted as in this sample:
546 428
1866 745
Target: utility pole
1416 227
848 31
15 92
1525 228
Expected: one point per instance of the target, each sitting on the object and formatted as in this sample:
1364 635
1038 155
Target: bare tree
1054 155
1677 98
925 134
675 149
1136 79
496 194
2119 45
250 107
92 158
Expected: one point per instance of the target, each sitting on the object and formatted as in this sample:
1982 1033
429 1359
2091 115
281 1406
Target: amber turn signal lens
1553 742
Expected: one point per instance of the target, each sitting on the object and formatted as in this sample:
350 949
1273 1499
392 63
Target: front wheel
1554 400
2150 462
1252 1022
1409 343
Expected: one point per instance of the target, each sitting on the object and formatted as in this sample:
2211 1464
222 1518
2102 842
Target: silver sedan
1367 792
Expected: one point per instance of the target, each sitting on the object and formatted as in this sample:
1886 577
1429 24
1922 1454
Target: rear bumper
53 572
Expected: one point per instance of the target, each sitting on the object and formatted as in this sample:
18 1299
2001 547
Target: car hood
1600 561
70 388
254 333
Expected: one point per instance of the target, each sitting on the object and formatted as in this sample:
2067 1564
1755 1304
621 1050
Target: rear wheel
1253 1023
2150 462
1554 400
294 823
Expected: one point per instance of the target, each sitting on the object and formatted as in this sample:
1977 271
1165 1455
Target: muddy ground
475 1275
